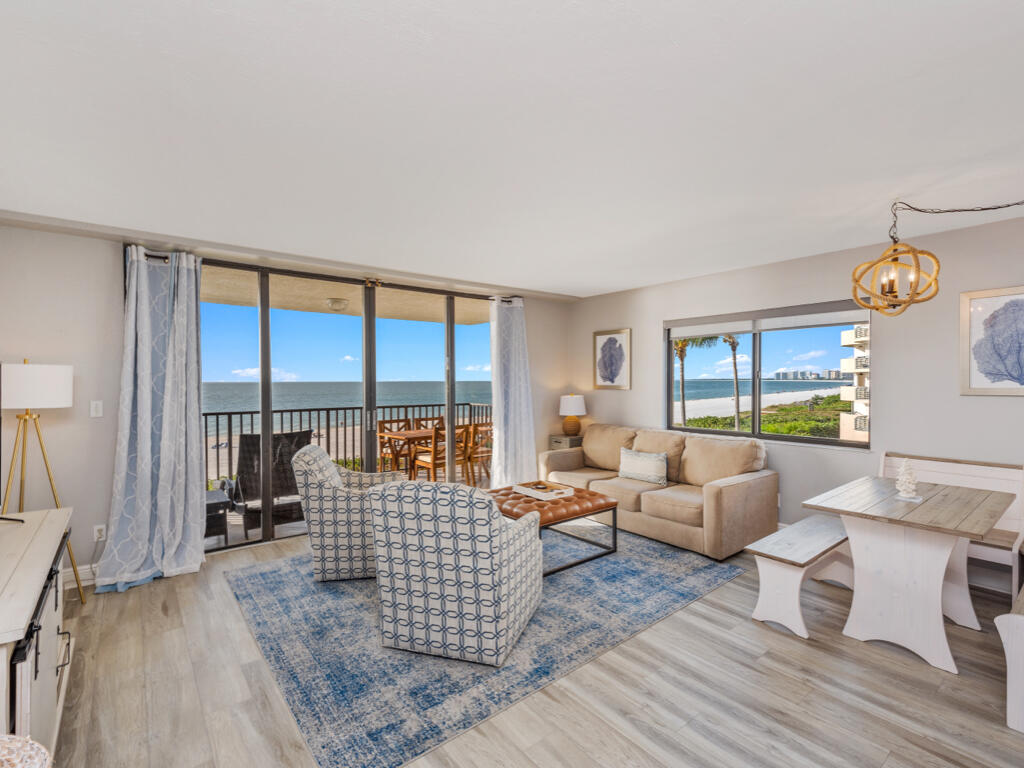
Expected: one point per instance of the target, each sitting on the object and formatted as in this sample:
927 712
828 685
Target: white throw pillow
649 467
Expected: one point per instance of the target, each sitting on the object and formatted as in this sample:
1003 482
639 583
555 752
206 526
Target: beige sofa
719 497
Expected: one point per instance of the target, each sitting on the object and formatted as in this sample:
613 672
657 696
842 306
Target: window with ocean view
711 382
802 381
778 379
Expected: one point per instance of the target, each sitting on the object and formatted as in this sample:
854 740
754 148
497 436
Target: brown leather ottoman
582 503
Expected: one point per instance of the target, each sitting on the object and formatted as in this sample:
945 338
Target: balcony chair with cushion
432 456
247 493
455 577
337 512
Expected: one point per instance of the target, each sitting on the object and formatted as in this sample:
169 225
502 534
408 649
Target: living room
622 373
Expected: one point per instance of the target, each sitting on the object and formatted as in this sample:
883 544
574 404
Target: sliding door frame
368 445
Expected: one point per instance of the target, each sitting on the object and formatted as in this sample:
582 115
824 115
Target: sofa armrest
739 510
562 460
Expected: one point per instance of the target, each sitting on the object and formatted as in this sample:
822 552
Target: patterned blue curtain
157 512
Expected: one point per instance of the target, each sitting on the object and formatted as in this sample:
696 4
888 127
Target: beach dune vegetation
815 417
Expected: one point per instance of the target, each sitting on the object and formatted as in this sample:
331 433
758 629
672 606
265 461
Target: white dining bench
814 547
1003 544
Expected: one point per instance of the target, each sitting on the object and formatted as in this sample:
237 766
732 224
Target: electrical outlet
99 533
96 409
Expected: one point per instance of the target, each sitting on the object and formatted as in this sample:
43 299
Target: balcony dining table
910 559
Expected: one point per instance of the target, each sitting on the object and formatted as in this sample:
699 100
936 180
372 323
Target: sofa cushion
625 491
579 478
602 442
662 441
706 459
637 465
678 503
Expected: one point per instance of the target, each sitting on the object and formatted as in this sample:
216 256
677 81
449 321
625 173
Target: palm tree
733 343
680 346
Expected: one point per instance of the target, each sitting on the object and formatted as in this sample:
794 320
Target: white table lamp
571 406
29 388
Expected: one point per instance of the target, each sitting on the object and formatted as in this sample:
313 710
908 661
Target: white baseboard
85 573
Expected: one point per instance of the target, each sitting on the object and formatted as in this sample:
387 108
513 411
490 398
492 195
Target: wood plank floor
167 676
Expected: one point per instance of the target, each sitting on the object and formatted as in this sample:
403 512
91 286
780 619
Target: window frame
755 394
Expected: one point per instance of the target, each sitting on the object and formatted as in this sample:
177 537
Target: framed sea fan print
992 342
612 361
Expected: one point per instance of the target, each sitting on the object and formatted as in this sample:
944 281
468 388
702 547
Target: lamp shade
35 387
572 405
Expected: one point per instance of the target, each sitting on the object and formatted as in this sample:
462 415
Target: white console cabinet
35 651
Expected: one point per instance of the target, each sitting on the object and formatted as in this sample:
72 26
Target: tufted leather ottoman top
580 504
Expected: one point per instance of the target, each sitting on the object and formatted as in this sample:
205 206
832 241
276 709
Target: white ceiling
572 147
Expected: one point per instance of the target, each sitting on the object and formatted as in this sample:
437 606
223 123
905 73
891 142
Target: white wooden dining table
910 559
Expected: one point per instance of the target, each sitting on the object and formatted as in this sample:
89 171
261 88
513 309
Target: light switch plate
96 409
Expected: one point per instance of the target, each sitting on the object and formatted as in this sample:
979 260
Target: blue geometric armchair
455 577
337 514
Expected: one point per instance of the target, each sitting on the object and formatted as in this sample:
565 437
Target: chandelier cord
899 205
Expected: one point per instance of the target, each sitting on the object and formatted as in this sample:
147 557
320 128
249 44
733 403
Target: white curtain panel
515 451
157 513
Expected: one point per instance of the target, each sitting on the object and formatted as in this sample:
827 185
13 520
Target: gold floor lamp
25 387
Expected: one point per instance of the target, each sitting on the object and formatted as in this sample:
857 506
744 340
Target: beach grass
817 416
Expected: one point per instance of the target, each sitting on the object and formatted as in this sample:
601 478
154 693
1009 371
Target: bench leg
836 566
956 597
778 597
1011 630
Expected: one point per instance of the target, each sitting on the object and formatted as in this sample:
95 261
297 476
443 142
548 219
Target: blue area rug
358 704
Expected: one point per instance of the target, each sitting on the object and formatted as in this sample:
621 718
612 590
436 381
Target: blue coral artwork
611 359
995 342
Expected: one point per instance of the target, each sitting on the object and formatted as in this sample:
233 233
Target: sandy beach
725 406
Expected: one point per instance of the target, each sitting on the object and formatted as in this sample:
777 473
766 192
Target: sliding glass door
316 349
472 374
230 352
380 377
410 381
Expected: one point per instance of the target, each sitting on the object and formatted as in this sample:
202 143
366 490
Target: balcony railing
336 429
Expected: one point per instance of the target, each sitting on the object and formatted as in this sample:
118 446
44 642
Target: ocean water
223 396
705 389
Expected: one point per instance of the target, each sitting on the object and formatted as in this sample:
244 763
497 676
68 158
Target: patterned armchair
337 513
455 578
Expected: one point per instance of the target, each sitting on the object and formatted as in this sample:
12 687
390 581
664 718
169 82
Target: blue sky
316 346
804 349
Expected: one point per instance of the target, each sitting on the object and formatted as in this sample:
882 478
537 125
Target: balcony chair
428 422
432 457
246 493
385 447
455 577
480 450
337 512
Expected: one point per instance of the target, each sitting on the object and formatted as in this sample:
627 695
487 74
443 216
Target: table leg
956 596
899 576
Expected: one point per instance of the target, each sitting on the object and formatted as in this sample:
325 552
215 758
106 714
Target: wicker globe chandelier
877 284
903 275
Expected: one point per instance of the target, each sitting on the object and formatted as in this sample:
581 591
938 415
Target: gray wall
61 301
916 404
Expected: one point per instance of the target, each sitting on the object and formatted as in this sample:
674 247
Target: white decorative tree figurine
906 481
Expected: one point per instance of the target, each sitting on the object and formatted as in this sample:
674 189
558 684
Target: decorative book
543 490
